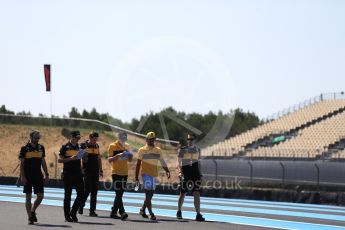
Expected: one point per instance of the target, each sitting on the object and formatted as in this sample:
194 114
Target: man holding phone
119 155
70 155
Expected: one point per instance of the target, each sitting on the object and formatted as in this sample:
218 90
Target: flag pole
51 100
51 104
51 97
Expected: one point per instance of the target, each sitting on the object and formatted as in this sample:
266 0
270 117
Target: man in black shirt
70 156
92 166
32 159
190 175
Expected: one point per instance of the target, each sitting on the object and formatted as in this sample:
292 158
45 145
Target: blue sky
130 57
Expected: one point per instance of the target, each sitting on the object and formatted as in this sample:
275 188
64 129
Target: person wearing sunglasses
70 155
190 175
148 158
32 160
119 155
92 168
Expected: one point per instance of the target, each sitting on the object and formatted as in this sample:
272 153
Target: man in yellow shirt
119 155
148 158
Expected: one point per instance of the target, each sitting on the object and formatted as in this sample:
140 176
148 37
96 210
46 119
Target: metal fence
308 102
275 172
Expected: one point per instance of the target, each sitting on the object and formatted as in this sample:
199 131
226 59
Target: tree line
169 121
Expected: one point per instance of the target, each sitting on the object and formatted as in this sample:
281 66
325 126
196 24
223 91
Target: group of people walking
82 168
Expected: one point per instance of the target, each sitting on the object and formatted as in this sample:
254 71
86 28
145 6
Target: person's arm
83 163
45 169
112 158
44 164
137 169
22 162
85 157
62 159
165 167
130 158
22 173
100 166
110 153
179 165
115 158
179 162
199 164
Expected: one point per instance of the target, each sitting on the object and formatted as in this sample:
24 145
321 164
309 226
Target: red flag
47 76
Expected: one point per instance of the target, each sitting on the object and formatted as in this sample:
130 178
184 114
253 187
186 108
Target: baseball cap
150 135
93 134
75 133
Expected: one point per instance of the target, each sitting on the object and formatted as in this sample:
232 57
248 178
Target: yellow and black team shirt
190 161
32 156
91 166
119 167
72 167
150 156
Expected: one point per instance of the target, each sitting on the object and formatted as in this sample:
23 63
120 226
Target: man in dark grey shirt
190 175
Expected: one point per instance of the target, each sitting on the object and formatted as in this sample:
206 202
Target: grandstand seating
311 140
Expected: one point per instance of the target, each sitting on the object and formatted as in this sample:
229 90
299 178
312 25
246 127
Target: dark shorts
36 183
119 182
190 185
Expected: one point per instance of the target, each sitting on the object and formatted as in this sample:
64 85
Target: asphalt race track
219 213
